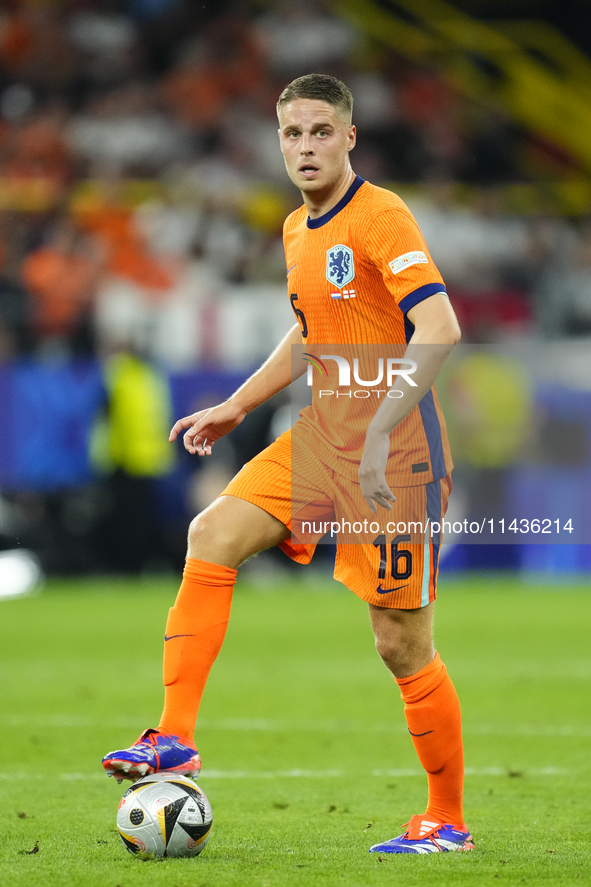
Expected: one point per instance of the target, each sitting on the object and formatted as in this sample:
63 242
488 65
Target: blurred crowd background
142 196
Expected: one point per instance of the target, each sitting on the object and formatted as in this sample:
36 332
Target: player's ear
351 137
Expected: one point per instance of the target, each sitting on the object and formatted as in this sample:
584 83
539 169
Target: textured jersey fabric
353 274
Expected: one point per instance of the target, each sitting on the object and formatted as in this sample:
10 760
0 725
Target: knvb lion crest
340 268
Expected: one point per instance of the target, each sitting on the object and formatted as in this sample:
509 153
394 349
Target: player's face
315 141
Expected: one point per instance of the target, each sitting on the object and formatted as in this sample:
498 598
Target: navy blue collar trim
322 220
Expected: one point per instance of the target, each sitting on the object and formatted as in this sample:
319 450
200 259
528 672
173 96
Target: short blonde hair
318 86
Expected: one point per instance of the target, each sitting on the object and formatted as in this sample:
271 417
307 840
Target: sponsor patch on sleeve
408 259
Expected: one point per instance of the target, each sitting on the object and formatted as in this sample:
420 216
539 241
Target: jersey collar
322 220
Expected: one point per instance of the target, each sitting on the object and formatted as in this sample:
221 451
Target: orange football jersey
353 275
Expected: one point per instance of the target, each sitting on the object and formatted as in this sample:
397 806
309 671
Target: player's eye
322 133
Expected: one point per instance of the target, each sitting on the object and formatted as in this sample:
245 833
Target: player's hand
372 471
207 426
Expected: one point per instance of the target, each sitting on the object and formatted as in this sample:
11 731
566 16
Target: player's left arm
436 333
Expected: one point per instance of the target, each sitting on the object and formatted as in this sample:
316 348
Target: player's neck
320 203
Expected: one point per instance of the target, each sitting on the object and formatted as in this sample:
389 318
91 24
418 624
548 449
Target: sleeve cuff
423 292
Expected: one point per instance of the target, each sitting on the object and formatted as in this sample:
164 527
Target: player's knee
400 654
197 530
390 637
388 648
211 539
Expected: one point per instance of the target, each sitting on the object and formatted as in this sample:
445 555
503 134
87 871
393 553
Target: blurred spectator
106 42
103 213
16 39
424 95
566 291
176 329
300 36
550 249
131 447
376 100
169 229
493 148
122 129
213 71
61 277
35 47
15 320
35 148
472 245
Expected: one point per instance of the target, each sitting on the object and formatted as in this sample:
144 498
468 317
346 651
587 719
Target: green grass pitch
307 761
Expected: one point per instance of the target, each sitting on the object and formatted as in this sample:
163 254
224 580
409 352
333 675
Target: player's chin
306 184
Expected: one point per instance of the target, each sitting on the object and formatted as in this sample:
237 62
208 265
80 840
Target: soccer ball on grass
164 815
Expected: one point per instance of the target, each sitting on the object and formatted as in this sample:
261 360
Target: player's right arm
207 426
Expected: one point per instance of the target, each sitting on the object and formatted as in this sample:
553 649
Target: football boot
423 835
152 752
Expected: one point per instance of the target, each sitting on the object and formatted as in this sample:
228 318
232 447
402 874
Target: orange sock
195 631
434 721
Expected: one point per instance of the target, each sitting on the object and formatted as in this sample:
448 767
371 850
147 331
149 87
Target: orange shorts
390 559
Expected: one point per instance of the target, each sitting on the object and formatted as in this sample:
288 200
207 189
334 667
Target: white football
164 815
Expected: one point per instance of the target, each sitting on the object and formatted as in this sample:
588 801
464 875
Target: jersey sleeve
395 245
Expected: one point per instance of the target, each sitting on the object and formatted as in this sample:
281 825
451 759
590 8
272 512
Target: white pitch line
481 771
275 774
268 725
393 772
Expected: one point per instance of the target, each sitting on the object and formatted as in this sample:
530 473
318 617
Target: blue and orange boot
152 752
422 835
